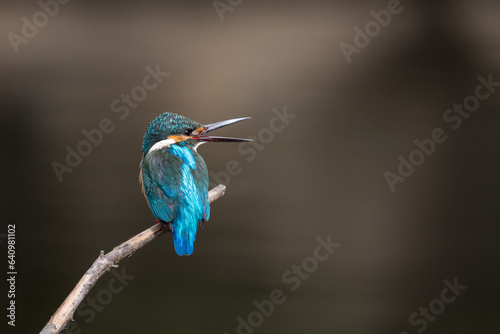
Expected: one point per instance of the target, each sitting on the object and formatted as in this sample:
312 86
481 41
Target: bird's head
171 129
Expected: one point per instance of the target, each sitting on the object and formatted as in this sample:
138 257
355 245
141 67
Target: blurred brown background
322 174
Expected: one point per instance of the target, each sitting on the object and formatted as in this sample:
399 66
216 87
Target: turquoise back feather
175 181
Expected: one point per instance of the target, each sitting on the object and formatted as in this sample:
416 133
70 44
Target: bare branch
103 264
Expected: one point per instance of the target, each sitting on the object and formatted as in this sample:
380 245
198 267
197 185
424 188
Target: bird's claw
167 226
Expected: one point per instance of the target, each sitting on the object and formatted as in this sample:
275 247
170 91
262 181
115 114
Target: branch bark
103 264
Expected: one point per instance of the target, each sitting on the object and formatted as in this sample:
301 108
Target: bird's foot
167 226
202 223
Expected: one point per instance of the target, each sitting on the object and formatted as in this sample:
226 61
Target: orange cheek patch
178 138
198 131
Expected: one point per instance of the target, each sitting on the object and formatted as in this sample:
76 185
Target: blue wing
161 181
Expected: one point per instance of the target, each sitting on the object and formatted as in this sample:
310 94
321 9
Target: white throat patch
198 144
162 144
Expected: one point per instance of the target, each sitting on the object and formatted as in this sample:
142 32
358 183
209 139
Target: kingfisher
174 176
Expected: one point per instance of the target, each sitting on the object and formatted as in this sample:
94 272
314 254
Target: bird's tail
183 240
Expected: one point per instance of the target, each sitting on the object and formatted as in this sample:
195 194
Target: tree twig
103 264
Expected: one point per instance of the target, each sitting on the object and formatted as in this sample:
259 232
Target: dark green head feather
165 125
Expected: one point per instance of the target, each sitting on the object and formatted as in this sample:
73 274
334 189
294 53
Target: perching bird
174 176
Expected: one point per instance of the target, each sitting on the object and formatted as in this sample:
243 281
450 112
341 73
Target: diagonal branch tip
103 264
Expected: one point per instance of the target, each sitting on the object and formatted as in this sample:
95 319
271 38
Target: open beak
211 127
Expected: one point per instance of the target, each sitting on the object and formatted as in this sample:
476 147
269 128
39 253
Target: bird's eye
187 132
